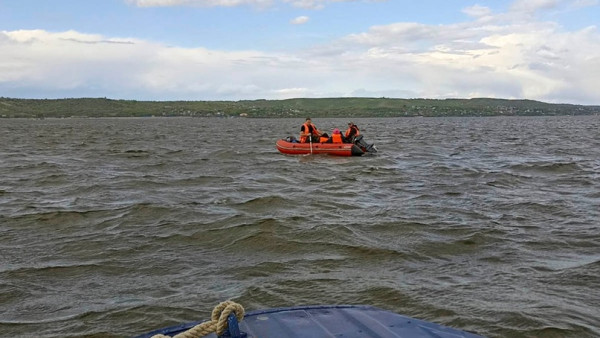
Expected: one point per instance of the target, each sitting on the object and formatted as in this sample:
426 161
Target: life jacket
336 138
356 131
323 139
307 131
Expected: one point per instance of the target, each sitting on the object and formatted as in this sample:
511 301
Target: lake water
116 227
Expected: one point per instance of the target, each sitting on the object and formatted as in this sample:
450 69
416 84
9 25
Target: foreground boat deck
347 321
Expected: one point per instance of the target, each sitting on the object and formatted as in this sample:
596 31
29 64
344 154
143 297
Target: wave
476 223
546 167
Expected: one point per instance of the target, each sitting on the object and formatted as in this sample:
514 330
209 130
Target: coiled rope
217 322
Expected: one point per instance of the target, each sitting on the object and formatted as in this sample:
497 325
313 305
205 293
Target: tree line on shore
292 108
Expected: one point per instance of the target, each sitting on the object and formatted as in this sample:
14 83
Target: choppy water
115 227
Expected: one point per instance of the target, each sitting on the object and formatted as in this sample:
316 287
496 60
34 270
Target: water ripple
115 227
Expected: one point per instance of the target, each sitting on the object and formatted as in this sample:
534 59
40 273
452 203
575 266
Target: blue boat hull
346 321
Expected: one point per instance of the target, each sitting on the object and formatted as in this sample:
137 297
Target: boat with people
358 147
314 141
228 320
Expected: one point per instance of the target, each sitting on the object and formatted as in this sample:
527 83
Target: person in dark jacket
309 132
352 132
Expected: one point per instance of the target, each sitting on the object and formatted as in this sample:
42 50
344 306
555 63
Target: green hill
322 107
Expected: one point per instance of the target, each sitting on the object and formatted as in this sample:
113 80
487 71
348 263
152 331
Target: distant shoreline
288 108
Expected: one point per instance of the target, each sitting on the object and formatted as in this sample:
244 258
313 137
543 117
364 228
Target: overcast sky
546 50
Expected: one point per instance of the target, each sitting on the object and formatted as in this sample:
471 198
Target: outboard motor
368 148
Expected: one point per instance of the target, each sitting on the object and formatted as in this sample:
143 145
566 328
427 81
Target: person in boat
309 132
336 136
352 132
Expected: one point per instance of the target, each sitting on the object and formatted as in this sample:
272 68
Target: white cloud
41 61
477 11
531 6
300 20
291 92
503 57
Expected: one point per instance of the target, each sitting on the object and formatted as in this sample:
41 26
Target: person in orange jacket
336 136
309 132
352 132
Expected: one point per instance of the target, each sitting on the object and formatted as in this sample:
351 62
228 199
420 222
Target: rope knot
222 311
217 323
